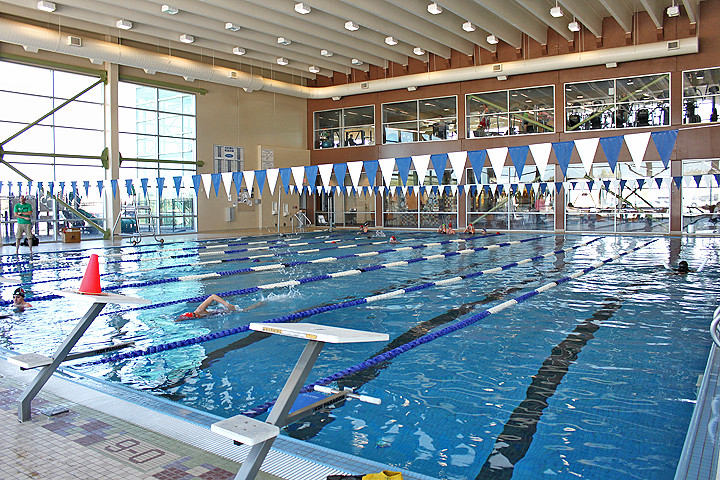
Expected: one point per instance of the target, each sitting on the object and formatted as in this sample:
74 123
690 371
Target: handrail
302 221
714 327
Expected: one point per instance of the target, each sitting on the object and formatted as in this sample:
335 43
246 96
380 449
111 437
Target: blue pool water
594 378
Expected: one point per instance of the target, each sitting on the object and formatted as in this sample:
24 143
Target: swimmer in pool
682 268
393 239
202 309
470 229
19 302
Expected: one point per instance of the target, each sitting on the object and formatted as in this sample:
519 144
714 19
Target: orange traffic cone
91 280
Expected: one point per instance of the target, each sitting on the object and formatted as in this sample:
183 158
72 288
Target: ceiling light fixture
356 61
556 11
391 40
326 53
302 9
233 27
468 27
124 24
46 6
352 26
673 10
314 69
418 51
238 51
187 38
169 10
283 41
434 8
574 26
492 40
282 61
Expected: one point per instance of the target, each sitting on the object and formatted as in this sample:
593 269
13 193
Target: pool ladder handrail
714 327
302 220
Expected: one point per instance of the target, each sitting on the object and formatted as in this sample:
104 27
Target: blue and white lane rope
390 354
277 266
335 306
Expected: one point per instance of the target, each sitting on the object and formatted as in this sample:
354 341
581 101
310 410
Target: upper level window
510 112
618 103
420 120
700 92
345 127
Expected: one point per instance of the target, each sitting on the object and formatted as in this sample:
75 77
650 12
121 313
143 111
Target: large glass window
701 196
158 139
618 103
53 150
701 89
510 112
420 120
428 209
345 127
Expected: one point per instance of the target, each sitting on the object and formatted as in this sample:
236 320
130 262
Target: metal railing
302 221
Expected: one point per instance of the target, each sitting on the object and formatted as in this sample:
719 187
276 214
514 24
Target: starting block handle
349 394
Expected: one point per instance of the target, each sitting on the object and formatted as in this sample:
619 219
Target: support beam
655 10
486 20
585 13
542 11
620 12
518 18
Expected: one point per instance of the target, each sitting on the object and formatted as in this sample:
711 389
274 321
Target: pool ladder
302 222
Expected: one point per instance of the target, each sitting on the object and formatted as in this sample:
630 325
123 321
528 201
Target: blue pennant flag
375 189
558 186
10 189
86 184
678 182
144 185
340 169
665 143
717 179
365 191
260 176
473 190
518 155
129 186
73 185
439 162
477 160
371 168
528 187
611 146
659 181
196 179
403 166
697 178
1 185
590 184
160 184
178 184
563 152
607 184
434 189
51 186
285 178
113 185
237 180
513 188
500 188
421 190
622 185
640 182
39 187
62 188
311 175
29 186
574 185
487 189
19 184
216 180
100 184
543 187
461 189
398 190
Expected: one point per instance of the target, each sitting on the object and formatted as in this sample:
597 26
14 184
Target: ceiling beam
655 9
584 11
541 9
486 20
620 12
518 18
691 7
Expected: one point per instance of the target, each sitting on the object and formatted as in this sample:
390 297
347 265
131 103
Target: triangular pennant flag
227 180
113 186
420 162
405 190
574 184
497 159
665 143
62 187
493 188
178 184
298 174
457 162
563 152
678 182
260 179
249 177
460 189
387 166
1 185
607 184
51 187
717 179
99 186
518 155
285 178
355 170
371 168
207 183
541 155
128 186
340 169
477 161
144 185
439 163
698 179
403 165
499 188
558 186
86 184
311 172
160 185
73 184
528 187
622 185
659 181
543 188
586 148
399 190
590 184
421 190
216 180
513 188
272 176
611 146
325 173
453 189
637 145
434 189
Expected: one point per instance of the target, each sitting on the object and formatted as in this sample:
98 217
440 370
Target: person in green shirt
23 212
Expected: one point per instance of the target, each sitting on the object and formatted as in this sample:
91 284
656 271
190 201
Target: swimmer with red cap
201 310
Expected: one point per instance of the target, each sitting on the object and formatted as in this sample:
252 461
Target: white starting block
261 435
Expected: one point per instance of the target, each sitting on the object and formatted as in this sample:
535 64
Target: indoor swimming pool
593 376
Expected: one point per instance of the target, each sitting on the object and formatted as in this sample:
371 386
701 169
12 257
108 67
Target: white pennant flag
207 183
421 165
355 170
387 165
404 190
348 189
249 177
541 154
272 176
536 187
298 174
381 189
227 183
457 162
586 148
493 188
325 173
637 145
497 159
453 189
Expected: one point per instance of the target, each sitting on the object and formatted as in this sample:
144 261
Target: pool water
593 378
